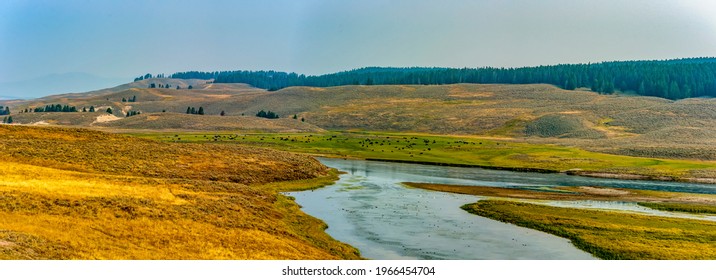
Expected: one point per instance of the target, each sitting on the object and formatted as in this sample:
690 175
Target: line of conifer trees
268 115
194 111
672 79
133 99
55 108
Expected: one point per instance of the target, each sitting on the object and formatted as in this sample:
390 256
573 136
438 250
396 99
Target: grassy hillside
80 194
449 109
175 121
618 124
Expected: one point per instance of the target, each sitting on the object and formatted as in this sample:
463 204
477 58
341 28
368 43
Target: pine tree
9 119
91 109
295 117
188 110
222 113
201 110
109 110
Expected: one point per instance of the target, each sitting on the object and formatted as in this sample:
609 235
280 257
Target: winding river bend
369 209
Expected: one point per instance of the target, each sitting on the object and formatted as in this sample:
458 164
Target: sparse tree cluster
295 117
154 85
55 108
133 99
194 111
132 113
672 79
147 76
5 111
7 119
268 115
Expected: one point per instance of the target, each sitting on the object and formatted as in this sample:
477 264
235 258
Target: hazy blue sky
127 38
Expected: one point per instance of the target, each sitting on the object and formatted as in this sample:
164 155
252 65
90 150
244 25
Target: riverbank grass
608 234
647 198
681 207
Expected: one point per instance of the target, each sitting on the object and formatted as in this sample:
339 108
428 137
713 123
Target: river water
369 209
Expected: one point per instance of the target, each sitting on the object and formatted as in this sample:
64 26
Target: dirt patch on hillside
4 243
105 118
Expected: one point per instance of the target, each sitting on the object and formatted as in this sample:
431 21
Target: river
369 209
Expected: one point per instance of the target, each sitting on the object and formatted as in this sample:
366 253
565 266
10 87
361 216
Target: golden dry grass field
81 194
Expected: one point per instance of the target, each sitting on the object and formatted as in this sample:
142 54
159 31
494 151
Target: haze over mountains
56 84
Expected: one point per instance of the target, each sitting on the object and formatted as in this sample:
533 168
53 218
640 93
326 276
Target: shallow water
369 209
630 207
